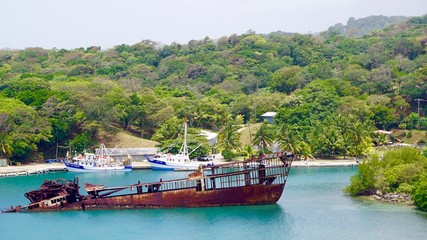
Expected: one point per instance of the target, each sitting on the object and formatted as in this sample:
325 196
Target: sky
72 24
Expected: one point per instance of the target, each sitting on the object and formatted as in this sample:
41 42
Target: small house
269 116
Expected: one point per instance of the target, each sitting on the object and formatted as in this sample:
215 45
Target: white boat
100 161
180 161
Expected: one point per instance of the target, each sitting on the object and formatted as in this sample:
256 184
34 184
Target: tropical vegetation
402 171
330 91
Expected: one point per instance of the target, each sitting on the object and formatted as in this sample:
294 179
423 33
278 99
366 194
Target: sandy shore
38 168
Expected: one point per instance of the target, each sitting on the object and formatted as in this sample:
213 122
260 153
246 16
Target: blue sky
82 23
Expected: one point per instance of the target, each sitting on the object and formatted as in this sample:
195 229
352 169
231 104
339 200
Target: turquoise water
312 207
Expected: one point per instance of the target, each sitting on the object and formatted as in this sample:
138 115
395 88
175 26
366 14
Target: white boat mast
184 148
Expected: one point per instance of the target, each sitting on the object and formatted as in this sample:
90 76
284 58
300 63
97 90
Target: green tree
401 171
264 137
133 111
319 101
5 141
21 129
360 133
382 117
169 130
363 182
81 143
63 119
332 141
229 140
285 79
288 139
412 121
248 151
420 194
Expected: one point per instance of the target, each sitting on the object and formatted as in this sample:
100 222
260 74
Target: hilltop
365 26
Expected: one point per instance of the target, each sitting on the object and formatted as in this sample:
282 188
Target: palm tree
316 140
305 150
264 137
248 150
5 141
347 145
288 139
332 141
229 140
380 139
5 146
341 123
361 138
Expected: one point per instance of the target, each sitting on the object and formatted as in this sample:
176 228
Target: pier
41 168
30 169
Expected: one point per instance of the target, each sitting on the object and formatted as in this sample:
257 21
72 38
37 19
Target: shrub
363 183
401 171
405 188
228 155
420 195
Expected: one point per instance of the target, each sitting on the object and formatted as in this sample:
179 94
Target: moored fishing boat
180 161
101 161
259 180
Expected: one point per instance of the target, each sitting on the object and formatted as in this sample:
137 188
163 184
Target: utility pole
250 133
419 108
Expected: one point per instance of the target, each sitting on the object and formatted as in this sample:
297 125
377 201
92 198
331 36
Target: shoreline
325 163
40 168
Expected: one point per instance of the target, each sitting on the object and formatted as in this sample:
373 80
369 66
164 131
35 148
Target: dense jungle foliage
399 171
329 91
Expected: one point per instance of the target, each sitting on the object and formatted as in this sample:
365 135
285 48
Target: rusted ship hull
251 195
252 182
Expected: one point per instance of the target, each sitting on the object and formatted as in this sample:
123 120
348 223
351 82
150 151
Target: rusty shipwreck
259 180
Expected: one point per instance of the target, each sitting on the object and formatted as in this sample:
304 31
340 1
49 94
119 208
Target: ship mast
185 149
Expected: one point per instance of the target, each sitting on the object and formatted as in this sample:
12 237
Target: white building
269 116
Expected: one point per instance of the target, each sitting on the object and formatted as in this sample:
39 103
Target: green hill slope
124 139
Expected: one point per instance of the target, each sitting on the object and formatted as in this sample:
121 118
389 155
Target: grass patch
116 136
410 136
245 133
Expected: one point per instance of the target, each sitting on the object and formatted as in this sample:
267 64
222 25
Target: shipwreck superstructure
259 180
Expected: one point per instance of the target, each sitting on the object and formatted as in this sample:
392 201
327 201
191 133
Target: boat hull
82 168
159 164
190 198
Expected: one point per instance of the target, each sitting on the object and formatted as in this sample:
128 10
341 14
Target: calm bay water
312 207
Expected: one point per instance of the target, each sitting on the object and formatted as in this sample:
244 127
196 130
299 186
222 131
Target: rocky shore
397 198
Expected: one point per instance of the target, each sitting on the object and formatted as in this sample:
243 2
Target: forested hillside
330 91
364 26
